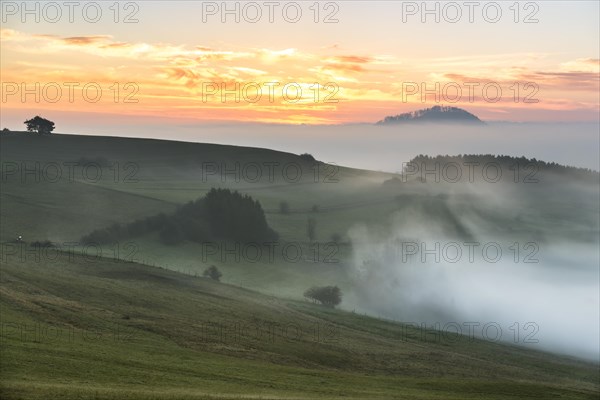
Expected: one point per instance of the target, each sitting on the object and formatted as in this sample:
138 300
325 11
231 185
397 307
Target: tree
213 273
220 215
311 228
234 216
39 125
329 296
307 157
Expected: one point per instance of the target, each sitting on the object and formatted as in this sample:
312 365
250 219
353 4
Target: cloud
87 40
582 65
566 80
368 83
353 59
345 67
349 63
560 80
8 34
116 45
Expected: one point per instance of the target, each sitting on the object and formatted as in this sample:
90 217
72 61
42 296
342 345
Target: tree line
508 162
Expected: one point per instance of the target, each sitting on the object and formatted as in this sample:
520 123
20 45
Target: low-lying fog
386 148
554 301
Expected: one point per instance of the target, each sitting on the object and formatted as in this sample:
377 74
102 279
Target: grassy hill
75 328
142 177
80 322
139 176
62 187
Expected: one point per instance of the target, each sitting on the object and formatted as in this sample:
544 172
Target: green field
106 330
136 321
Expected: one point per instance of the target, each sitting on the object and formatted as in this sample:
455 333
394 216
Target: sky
304 62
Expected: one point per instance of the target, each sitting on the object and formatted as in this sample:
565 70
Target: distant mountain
436 114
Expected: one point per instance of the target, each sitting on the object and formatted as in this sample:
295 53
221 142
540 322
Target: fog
384 148
555 301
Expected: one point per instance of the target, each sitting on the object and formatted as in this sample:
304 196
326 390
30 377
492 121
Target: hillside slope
119 180
76 327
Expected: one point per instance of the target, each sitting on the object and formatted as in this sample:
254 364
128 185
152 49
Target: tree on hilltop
40 125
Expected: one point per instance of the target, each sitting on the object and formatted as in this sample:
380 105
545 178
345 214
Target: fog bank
385 148
555 301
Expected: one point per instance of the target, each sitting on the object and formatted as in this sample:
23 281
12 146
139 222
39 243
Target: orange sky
311 73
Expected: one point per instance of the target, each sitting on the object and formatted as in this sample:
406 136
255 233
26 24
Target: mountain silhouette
436 114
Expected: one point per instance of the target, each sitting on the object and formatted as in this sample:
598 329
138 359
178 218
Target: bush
213 273
307 157
329 296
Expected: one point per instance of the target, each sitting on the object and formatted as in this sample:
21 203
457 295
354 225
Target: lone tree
39 125
329 296
213 273
307 157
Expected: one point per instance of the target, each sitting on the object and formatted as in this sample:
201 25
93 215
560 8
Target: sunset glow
227 73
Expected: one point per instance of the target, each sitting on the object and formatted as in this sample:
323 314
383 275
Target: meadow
136 320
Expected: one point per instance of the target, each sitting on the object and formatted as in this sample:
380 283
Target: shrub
213 273
307 157
329 296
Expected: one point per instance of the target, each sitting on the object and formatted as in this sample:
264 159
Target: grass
151 329
74 329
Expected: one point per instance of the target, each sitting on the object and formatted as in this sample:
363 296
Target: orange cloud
345 67
565 81
353 59
170 77
86 40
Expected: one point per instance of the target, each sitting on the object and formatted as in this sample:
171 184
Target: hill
60 188
435 114
180 336
75 327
